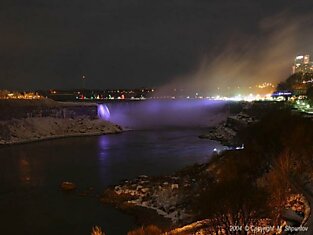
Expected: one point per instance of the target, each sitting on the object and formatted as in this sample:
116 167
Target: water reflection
30 170
25 173
103 142
103 157
30 176
103 145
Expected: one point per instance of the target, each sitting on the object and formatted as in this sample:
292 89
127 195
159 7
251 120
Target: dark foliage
277 150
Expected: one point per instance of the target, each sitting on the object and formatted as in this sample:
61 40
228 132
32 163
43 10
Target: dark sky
120 43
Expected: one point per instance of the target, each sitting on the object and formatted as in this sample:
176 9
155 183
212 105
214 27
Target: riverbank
226 132
167 201
27 130
168 196
241 116
174 196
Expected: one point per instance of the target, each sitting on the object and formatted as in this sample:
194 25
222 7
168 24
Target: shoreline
165 196
29 130
57 137
169 195
226 132
143 216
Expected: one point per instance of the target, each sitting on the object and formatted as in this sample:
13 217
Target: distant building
306 59
302 64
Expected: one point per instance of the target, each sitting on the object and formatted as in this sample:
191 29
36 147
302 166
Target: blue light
103 112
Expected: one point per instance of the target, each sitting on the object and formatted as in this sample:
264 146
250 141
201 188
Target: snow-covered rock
40 128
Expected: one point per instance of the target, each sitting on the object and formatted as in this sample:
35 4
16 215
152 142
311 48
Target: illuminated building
306 59
302 64
19 95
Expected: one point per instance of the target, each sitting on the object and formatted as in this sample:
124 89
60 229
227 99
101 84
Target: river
30 174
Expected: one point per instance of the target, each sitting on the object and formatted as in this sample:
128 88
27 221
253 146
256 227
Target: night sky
121 43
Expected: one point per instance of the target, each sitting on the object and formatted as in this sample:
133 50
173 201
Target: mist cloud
246 60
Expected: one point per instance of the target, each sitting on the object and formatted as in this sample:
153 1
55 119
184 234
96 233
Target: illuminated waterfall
103 112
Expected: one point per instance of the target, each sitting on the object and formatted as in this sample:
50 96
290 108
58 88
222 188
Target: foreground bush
97 231
149 230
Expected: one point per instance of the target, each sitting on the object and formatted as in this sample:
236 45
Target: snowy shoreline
27 130
167 196
226 132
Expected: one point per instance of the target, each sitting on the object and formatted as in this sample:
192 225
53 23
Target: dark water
30 200
30 174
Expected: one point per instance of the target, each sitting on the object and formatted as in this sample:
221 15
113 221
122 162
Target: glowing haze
167 113
246 60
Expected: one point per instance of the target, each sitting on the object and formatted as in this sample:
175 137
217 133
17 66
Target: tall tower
297 64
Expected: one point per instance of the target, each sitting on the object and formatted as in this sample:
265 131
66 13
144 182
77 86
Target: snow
226 131
40 128
161 196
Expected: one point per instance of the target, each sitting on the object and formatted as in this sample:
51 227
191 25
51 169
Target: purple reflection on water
104 168
103 112
104 145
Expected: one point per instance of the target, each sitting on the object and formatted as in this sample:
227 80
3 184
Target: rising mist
246 60
156 114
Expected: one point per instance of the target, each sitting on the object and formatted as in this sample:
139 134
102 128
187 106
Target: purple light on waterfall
167 113
103 112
